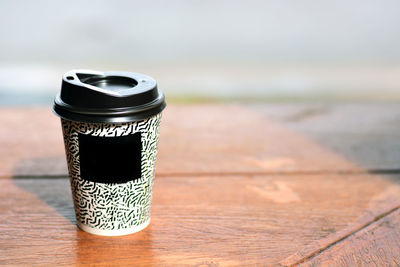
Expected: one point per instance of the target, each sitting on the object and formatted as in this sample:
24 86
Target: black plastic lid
108 97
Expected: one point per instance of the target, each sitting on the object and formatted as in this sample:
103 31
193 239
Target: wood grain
208 139
196 221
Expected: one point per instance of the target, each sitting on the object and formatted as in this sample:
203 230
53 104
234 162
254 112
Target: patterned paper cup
111 157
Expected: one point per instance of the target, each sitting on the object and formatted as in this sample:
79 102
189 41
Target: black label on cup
110 159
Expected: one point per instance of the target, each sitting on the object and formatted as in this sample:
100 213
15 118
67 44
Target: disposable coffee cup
110 122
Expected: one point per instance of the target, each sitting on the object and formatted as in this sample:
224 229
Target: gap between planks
200 174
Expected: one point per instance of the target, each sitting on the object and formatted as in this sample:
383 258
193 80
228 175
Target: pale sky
205 47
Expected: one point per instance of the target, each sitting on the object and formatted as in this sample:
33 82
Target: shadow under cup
111 154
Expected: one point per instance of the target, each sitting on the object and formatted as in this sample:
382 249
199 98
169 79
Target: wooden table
236 185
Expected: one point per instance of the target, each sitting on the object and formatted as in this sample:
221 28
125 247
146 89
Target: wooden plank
376 245
211 139
204 220
234 139
366 133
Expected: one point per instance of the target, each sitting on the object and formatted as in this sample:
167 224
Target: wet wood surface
236 185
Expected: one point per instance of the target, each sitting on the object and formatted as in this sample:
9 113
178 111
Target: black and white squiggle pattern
112 206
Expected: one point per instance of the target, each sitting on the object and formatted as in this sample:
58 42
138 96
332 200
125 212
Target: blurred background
345 50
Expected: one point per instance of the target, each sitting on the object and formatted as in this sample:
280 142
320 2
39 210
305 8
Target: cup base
119 232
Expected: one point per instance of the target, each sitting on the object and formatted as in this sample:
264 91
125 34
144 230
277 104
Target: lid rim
114 118
109 111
